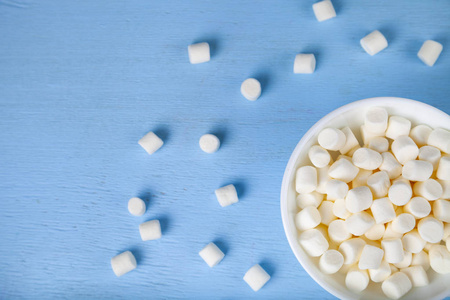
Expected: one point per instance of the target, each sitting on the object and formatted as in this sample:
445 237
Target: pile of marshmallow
380 212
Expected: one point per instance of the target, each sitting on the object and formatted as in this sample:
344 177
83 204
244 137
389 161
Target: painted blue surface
82 81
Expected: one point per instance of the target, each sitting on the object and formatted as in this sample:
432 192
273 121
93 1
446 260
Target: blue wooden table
82 81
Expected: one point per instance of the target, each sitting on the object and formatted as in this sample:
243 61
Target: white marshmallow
393 250
412 242
443 170
381 273
331 139
367 159
376 232
396 286
445 189
209 143
417 170
322 179
351 250
336 189
430 189
251 89
306 180
227 195
198 53
357 280
379 184
404 149
431 230
403 223
123 263
382 210
366 135
391 234
337 231
324 10
304 64
376 120
439 259
150 230
440 138
326 212
361 178
211 254
307 218
150 142
350 141
313 242
136 206
390 165
331 261
370 257
379 144
374 42
430 154
417 275
358 199
256 277
397 127
441 210
421 259
406 262
340 210
343 170
400 193
319 156
420 134
311 199
429 52
359 223
419 207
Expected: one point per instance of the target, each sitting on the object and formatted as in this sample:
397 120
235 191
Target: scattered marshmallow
430 154
417 276
421 259
350 141
331 139
390 165
443 170
382 210
331 261
304 64
374 42
357 280
313 242
307 218
319 156
336 189
404 149
123 263
403 223
419 207
199 53
376 232
430 189
358 199
326 212
376 120
381 273
324 10
251 89
379 184
256 277
211 254
440 138
431 230
429 52
441 210
337 231
406 262
209 143
306 180
351 250
322 179
343 170
420 134
379 144
136 206
361 178
396 286
400 192
150 230
393 250
359 223
412 242
340 209
397 127
367 159
370 257
227 195
311 199
439 259
150 142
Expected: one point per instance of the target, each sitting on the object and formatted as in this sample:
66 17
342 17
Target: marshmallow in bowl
412 242
396 285
311 199
443 170
430 189
420 134
416 275
381 273
439 259
440 138
441 210
357 280
313 242
336 189
379 144
331 261
358 199
404 149
398 126
350 141
393 250
359 223
430 154
352 249
390 165
306 180
307 218
382 210
417 170
371 257
431 229
419 207
376 120
343 170
331 139
400 192
367 159
319 156
379 184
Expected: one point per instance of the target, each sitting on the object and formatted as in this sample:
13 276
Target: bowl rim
291 164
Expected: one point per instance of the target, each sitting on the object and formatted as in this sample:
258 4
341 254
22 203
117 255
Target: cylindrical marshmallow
326 212
199 53
417 170
429 52
393 250
350 141
211 254
441 210
400 193
439 259
366 135
397 127
417 275
304 63
440 138
419 207
306 180
256 277
443 170
150 230
331 139
251 89
337 231
150 142
376 232
357 280
123 263
358 199
319 156
379 184
430 154
404 149
359 223
391 234
367 159
322 179
371 257
136 206
406 262
382 210
430 189
351 250
396 286
421 259
311 199
336 189
313 242
379 144
209 143
331 261
307 218
380 274
403 223
343 170
431 230
324 10
340 209
390 165
412 242
420 134
374 42
361 178
376 120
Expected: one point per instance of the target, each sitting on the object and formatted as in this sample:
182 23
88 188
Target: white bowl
352 115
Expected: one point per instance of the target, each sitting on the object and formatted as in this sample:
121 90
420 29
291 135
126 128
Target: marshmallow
136 206
417 170
211 254
374 42
370 257
381 273
376 120
322 179
400 193
359 223
439 259
123 263
256 277
304 64
340 209
393 250
443 170
382 210
358 199
313 242
324 10
351 250
379 144
318 156
397 285
430 189
445 189
367 159
306 180
198 53
331 139
419 207
350 141
337 231
311 199
366 135
406 262
420 134
150 230
404 149
390 165
391 234
343 170
331 261
441 210
440 138
379 184
361 178
357 280
376 232
430 154
403 223
150 142
431 230
307 218
397 127
429 52
412 242
336 189
209 143
227 195
326 212
421 259
251 89
416 275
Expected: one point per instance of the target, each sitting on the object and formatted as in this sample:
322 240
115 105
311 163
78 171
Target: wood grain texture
82 81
